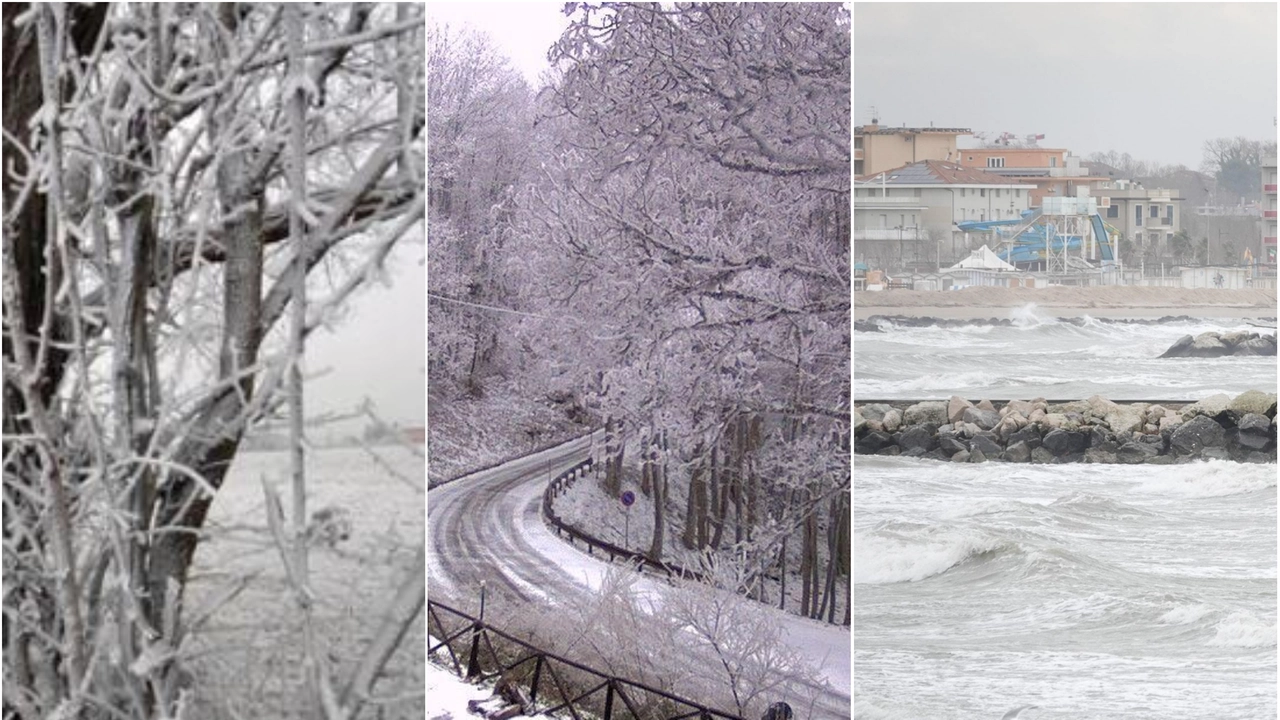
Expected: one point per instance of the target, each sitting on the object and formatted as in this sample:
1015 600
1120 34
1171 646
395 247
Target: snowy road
488 528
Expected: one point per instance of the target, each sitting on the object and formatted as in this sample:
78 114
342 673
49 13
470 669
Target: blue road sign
628 497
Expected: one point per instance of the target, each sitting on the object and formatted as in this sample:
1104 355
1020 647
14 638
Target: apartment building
1269 211
877 147
1149 218
908 215
1053 171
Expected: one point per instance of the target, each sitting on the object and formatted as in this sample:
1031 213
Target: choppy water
1041 357
1088 591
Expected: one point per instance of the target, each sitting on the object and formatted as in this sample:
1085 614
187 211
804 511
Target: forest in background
657 242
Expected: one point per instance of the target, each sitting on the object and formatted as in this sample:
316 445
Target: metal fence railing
558 486
547 683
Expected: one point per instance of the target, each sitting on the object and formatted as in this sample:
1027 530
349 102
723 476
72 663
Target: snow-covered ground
488 528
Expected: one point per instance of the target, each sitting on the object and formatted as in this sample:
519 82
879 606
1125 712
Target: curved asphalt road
487 527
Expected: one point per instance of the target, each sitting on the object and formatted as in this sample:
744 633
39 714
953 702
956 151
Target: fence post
473 660
608 700
533 687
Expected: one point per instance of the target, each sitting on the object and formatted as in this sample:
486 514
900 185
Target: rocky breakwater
1096 430
1212 344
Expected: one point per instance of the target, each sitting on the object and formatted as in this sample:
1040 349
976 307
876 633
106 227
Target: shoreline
983 312
1102 302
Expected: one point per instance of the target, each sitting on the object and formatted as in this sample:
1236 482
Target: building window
1137 215
1168 238
1113 211
902 220
1155 211
982 216
857 141
997 192
919 192
1017 193
1053 162
857 167
913 219
993 162
982 192
1168 214
963 192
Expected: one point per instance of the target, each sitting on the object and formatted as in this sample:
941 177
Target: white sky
1155 80
523 31
378 350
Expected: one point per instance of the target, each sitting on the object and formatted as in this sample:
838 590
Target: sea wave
1186 614
1212 478
885 556
1244 630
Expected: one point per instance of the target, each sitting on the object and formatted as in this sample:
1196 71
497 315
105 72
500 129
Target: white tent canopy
982 259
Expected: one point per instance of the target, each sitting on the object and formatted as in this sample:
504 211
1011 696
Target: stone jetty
1096 430
1212 344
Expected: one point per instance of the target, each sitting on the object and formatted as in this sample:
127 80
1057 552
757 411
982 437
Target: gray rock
1259 347
1040 455
977 456
918 436
1028 435
1162 460
962 456
1099 456
1257 457
1254 432
872 442
985 404
1253 401
1134 453
987 445
1018 452
915 452
952 444
985 419
933 411
859 423
1212 406
956 407
892 450
1022 407
1215 453
1179 348
1123 420
1064 442
1196 434
892 420
875 411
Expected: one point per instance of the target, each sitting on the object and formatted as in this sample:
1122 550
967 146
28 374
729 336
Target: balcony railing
1268 213
887 234
1269 188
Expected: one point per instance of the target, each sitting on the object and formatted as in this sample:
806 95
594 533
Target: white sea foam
1185 614
1214 478
892 558
1242 629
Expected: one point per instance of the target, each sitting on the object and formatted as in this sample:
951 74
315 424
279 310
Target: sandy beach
1110 301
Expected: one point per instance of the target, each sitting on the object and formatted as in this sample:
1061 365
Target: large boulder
1064 442
1022 407
918 436
1264 345
1179 348
872 442
858 423
1196 434
1212 406
1208 345
1018 452
1254 431
1252 401
988 446
1010 424
956 407
892 420
985 419
932 411
951 443
1133 453
1123 419
875 411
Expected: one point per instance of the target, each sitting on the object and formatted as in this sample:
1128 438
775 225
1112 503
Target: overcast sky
523 31
1155 80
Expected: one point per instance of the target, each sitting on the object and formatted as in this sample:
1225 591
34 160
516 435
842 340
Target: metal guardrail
558 486
553 681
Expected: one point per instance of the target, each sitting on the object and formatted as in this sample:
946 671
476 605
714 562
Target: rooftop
886 130
938 172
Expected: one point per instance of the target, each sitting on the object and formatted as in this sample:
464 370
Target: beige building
1148 218
1269 211
877 148
906 217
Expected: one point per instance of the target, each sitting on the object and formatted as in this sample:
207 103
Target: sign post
627 499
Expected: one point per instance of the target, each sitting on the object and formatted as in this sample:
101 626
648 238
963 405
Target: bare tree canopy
147 196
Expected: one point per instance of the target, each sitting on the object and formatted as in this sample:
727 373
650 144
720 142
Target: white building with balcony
906 218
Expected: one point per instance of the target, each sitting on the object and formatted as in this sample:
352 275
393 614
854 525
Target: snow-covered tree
146 211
